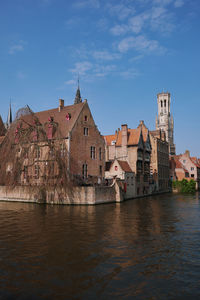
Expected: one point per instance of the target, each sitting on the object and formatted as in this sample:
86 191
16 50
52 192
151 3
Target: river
147 248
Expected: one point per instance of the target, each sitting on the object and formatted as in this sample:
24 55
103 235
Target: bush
184 186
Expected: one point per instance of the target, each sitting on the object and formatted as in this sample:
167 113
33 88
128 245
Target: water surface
147 248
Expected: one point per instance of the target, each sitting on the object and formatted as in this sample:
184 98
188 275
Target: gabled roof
178 164
196 161
65 118
110 138
133 137
125 166
2 127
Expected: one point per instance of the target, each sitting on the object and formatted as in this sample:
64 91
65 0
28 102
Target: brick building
184 166
133 146
62 139
159 161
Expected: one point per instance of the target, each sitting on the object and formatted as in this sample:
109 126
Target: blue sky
125 51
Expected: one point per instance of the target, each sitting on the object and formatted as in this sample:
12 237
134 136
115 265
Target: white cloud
17 47
86 3
119 29
102 71
136 23
178 3
129 73
139 43
120 10
105 55
82 67
70 82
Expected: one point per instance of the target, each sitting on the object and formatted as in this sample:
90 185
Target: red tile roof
124 165
133 136
110 138
65 124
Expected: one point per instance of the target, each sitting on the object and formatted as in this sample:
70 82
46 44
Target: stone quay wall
83 195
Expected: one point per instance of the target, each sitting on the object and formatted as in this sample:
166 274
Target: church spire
78 95
9 119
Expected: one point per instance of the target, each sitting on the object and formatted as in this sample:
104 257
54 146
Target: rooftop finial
78 94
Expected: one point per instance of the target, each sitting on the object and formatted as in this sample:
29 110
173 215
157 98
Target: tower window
161 103
165 103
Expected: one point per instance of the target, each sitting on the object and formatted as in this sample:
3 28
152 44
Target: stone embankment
82 195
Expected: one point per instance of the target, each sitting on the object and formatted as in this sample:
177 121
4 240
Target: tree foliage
184 186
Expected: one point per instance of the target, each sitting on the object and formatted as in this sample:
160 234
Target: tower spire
9 118
78 94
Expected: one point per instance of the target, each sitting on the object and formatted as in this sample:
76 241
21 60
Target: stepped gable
144 129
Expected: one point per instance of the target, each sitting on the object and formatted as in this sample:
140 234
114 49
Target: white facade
164 120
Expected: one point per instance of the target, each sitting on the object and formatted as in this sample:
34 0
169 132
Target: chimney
61 104
124 134
187 152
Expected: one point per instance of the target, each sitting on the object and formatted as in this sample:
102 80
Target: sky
125 52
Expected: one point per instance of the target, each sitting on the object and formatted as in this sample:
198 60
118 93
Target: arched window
161 103
165 102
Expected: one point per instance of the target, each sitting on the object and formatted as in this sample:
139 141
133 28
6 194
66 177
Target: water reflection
146 249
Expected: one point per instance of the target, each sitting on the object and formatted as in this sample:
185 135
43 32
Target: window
25 172
92 152
85 131
86 118
184 161
100 154
62 150
192 168
161 103
84 171
51 149
192 175
165 103
37 171
100 170
37 152
116 168
186 174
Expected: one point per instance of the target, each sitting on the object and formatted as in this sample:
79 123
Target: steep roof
178 164
133 136
110 138
195 160
145 130
124 165
65 118
2 127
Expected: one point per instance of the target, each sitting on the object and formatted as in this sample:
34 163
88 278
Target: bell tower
164 120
